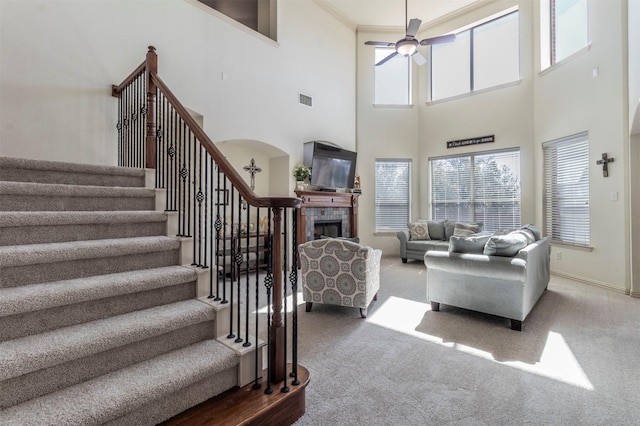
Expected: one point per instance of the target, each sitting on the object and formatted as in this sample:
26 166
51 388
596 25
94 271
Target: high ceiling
391 13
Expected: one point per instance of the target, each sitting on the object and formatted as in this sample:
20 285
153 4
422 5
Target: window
393 194
563 29
568 28
393 79
566 190
259 15
478 187
483 56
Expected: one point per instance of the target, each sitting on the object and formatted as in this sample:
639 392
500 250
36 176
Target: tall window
393 194
566 190
568 28
485 55
479 187
393 79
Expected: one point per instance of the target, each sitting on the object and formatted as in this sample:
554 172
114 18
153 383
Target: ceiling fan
408 46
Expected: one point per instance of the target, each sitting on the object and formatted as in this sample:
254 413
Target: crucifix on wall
605 161
252 169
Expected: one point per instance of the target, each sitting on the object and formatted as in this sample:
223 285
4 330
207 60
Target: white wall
633 44
569 99
505 112
383 132
58 60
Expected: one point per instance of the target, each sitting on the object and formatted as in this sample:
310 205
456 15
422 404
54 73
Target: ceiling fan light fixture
406 47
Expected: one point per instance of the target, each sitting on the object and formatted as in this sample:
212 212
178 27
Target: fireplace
331 214
327 228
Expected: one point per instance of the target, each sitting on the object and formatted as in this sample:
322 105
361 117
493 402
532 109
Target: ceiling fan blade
413 27
419 59
438 40
387 58
380 43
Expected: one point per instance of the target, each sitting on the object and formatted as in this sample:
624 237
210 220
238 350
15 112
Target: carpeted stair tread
39 227
35 297
12 256
113 395
16 219
27 170
32 353
65 190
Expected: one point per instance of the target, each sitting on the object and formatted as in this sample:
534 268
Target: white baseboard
593 282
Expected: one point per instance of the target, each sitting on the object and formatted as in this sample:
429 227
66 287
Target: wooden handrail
116 90
243 188
150 66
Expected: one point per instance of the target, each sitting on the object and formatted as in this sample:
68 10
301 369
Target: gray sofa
502 285
437 238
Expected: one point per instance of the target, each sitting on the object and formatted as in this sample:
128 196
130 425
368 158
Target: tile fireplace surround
327 206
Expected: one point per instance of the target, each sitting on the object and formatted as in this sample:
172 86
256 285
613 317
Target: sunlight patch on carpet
556 362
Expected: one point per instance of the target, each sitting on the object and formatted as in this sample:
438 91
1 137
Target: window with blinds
393 194
478 187
566 190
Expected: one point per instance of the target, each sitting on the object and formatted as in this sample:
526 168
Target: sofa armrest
510 268
403 236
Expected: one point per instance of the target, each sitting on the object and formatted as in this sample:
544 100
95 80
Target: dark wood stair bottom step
246 406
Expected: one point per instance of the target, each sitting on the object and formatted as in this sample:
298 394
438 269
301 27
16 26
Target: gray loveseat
415 242
503 285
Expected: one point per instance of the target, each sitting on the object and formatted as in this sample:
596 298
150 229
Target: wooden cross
605 161
252 169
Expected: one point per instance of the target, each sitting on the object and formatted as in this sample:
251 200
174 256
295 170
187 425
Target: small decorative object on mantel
356 185
605 164
252 168
301 173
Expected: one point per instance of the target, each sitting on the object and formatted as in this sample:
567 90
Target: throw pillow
473 244
534 230
449 228
465 229
505 245
419 231
436 229
528 235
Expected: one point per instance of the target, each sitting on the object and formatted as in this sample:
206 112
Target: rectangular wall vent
306 100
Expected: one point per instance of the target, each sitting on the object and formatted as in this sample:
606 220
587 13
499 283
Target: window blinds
393 195
479 187
566 189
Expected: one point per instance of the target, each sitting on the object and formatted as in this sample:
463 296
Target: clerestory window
485 55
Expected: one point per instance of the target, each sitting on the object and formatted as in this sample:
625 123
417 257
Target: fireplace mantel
318 201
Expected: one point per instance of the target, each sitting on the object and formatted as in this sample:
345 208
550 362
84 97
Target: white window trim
475 24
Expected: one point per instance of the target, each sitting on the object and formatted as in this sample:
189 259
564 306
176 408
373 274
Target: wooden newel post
277 360
150 146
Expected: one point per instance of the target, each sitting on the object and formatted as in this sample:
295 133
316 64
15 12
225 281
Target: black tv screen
331 166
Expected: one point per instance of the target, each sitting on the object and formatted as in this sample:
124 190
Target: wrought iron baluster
285 388
293 277
268 283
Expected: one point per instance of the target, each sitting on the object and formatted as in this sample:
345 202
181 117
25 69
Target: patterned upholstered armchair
339 272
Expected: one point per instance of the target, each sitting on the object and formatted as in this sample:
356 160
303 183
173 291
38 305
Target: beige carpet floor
574 363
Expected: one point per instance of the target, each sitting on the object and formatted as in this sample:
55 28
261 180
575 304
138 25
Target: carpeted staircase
99 323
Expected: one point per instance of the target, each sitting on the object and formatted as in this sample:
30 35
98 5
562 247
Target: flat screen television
331 166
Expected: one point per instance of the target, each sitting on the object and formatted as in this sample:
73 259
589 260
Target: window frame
554 36
406 191
471 29
409 77
552 200
474 203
